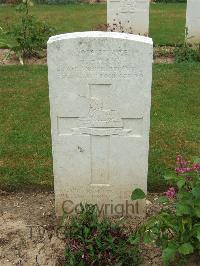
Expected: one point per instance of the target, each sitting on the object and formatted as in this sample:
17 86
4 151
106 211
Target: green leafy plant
186 52
176 229
30 35
95 241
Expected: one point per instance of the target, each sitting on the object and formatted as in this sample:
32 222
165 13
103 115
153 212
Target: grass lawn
25 143
167 21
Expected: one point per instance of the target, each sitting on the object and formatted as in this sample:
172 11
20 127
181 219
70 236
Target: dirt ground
9 58
27 225
30 234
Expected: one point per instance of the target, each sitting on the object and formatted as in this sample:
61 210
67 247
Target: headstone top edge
100 34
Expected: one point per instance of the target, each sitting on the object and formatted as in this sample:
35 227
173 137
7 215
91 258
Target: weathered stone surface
193 21
131 16
100 97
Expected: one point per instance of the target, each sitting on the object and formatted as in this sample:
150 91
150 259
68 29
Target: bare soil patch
9 58
164 54
23 240
164 60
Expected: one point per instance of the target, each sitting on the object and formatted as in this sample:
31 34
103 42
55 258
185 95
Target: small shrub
95 241
28 37
176 229
187 53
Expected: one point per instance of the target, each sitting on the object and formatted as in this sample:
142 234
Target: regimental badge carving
101 122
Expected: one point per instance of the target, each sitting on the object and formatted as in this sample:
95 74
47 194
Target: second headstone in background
193 21
131 16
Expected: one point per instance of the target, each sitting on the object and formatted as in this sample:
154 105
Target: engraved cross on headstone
100 124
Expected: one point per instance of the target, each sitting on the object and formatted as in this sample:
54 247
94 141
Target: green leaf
182 209
134 239
168 254
138 194
197 212
196 192
163 199
86 232
169 178
196 160
198 233
148 237
5 45
181 183
186 249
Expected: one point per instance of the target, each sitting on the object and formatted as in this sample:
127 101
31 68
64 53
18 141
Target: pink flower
178 158
183 166
84 255
196 167
74 245
181 170
181 163
170 193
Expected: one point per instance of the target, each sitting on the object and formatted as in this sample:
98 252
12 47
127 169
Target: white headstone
100 97
193 21
130 16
